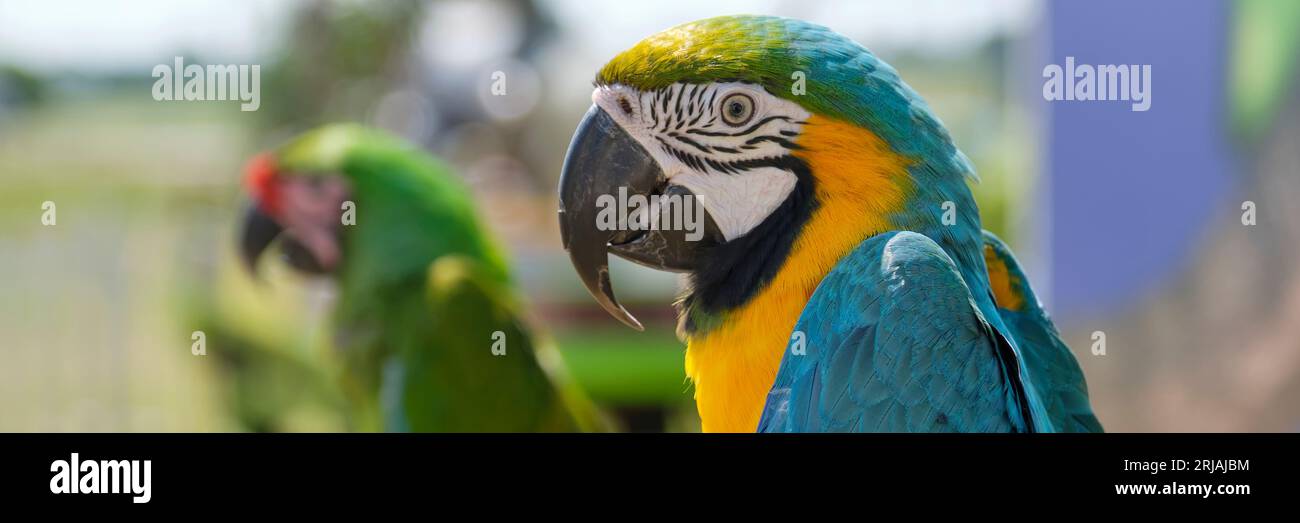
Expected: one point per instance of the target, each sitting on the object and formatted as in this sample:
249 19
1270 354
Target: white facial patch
739 205
701 142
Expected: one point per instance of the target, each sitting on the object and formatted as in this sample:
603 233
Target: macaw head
347 196
297 195
796 142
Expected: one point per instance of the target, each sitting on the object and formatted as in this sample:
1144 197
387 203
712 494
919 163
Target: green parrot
428 330
838 278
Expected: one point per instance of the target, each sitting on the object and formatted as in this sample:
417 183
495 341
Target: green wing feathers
472 363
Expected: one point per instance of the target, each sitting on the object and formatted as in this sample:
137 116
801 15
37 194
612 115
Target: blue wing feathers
1046 358
893 342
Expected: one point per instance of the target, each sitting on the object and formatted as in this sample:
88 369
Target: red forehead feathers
259 181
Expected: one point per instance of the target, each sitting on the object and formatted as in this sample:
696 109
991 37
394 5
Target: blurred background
1129 222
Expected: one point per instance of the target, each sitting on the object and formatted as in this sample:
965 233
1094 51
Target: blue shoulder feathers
1047 360
891 342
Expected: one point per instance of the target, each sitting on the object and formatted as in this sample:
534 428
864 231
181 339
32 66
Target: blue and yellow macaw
840 279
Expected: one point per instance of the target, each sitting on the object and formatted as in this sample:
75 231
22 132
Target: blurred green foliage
336 60
20 88
1265 52
616 365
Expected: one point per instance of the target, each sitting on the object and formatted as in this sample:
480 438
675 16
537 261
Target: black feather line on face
700 163
748 130
697 118
774 139
703 148
733 272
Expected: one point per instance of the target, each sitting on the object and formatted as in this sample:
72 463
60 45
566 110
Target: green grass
618 366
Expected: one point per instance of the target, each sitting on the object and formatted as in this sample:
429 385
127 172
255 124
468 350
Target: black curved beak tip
256 234
602 158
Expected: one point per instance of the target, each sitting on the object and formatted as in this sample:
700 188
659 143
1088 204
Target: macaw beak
260 230
256 234
602 159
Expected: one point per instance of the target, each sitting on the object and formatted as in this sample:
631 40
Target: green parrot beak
257 234
602 159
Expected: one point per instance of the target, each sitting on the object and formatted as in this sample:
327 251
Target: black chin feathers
733 272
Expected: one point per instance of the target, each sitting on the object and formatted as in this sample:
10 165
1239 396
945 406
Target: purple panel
1131 193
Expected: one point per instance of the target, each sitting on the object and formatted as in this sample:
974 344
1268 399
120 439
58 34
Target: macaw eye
737 109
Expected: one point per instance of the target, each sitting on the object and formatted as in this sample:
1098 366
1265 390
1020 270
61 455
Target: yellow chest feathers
858 183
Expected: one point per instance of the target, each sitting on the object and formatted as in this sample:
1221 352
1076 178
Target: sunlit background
1129 223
